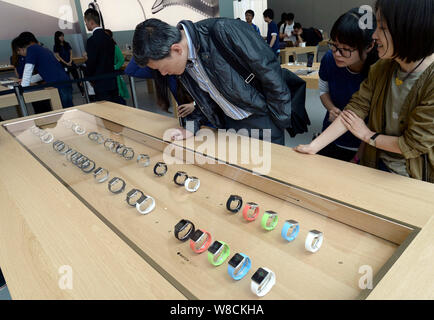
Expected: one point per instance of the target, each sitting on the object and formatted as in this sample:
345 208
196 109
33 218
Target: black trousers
258 122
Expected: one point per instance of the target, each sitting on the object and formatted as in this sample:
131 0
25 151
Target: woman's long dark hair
347 31
57 42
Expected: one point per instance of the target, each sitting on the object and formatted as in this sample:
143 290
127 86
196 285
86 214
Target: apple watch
149 203
160 169
218 252
180 175
239 265
290 230
372 140
192 184
269 220
234 199
262 281
247 208
314 240
183 230
200 241
133 196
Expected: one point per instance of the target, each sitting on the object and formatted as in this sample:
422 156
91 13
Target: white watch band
314 241
263 288
192 180
144 200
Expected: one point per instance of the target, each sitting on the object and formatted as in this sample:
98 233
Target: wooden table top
406 202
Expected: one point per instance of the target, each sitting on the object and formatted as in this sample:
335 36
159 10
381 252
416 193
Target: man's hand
185 109
179 134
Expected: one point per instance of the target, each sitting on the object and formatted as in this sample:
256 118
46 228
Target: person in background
285 30
342 70
250 14
17 60
282 20
63 53
273 31
49 69
100 50
162 85
397 98
310 36
119 62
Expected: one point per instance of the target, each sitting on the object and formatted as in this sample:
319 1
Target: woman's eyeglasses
346 53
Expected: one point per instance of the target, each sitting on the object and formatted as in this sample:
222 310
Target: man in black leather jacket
232 74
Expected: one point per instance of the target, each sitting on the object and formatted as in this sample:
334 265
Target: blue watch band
288 225
244 269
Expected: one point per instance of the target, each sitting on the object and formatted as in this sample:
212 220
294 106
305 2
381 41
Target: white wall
258 6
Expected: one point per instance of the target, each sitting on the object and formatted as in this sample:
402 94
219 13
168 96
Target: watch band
372 139
194 241
225 252
247 207
244 268
290 224
234 198
314 241
143 200
182 225
261 289
269 215
192 180
180 174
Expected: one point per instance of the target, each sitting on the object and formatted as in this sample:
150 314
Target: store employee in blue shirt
250 14
273 31
50 70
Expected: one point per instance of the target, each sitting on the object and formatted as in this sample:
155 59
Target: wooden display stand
369 218
312 80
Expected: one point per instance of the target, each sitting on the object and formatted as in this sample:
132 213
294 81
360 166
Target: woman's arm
59 58
329 105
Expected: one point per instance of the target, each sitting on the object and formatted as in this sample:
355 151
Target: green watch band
226 251
269 215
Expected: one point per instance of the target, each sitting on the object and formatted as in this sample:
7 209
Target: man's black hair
153 40
297 25
411 25
269 13
92 15
250 12
290 16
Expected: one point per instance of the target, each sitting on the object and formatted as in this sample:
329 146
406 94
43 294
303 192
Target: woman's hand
334 113
356 125
185 109
305 148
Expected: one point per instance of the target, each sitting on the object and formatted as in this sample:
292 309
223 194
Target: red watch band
205 246
247 207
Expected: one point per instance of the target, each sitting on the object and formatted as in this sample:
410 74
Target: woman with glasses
342 70
397 98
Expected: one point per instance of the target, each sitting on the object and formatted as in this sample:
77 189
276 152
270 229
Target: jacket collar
191 31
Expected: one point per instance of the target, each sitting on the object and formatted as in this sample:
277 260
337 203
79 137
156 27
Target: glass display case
357 248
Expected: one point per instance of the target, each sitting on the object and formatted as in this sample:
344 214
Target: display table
58 215
312 79
51 94
294 51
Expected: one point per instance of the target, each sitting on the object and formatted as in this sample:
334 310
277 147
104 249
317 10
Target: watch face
259 275
271 213
215 247
236 260
196 235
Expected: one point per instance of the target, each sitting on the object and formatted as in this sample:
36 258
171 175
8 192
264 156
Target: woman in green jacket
119 62
397 97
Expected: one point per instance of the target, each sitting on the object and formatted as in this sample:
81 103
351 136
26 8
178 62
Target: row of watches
218 252
269 221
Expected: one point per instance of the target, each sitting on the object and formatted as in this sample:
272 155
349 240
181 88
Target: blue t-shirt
63 51
272 28
255 27
48 66
342 85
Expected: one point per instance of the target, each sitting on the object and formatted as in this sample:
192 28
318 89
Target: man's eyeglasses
346 53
